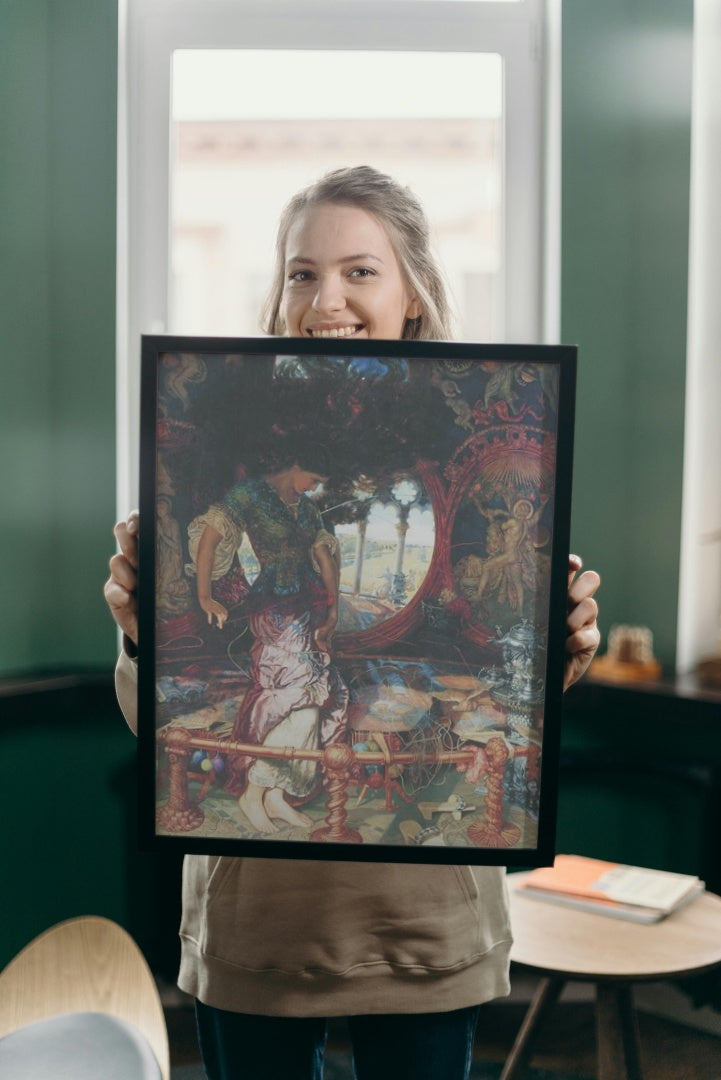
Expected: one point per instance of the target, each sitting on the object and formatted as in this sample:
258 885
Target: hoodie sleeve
126 688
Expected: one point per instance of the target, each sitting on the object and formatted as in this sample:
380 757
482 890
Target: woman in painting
297 697
271 948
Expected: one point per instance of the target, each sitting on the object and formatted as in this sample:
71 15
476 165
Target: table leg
545 997
617 1033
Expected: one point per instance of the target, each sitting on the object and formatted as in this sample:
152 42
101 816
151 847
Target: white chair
79 1002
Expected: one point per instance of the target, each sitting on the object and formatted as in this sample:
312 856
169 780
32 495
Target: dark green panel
67 793
58 80
69 787
626 143
82 221
26 400
641 777
627 817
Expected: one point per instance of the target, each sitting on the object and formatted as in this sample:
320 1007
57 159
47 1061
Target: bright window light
434 121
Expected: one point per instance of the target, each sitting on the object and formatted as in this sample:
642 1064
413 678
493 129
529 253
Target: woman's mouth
334 331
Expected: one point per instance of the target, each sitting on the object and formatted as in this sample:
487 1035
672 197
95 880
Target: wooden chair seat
85 965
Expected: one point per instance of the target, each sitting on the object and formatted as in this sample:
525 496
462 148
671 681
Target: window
460 116
385 552
235 160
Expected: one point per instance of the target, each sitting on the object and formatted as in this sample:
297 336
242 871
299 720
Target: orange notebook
630 892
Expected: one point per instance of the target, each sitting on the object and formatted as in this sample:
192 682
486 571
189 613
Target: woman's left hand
324 633
583 635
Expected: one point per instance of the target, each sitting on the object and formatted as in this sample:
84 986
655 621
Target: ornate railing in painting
180 815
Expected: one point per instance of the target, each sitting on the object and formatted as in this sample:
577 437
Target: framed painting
352 597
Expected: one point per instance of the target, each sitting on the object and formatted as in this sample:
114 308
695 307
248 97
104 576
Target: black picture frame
430 731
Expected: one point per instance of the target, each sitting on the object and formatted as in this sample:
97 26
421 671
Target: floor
669 1050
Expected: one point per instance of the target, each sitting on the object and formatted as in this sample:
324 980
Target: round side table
563 944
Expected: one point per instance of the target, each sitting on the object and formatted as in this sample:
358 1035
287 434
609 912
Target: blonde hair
403 217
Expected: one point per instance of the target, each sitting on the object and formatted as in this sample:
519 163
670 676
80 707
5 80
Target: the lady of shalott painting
352 577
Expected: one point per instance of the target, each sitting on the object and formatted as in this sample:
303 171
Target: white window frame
526 34
699 600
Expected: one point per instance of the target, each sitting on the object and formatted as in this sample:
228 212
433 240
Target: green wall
626 145
626 133
58 73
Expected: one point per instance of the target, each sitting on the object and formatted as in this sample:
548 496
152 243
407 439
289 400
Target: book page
652 888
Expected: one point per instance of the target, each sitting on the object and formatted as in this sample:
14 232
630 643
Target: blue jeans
414 1046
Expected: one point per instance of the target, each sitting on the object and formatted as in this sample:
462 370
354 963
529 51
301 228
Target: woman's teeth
337 331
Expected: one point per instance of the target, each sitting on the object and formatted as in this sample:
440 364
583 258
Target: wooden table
563 944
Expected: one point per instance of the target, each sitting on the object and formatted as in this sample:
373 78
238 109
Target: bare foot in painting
251 803
277 807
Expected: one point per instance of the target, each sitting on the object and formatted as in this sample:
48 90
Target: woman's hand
583 635
214 610
324 633
121 587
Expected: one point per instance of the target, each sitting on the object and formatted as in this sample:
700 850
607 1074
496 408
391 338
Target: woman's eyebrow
361 257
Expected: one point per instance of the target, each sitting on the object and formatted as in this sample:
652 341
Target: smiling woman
353 259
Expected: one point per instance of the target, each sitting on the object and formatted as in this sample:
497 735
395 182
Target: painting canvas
353 574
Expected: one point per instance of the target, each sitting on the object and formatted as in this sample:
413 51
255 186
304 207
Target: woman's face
342 277
304 481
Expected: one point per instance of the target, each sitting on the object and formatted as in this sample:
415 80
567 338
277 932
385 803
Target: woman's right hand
214 610
121 587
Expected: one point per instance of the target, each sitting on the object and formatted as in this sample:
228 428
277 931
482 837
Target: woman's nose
329 295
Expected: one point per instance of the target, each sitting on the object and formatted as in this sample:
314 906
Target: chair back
87 964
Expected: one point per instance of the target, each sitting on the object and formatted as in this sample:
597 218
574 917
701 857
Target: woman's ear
415 309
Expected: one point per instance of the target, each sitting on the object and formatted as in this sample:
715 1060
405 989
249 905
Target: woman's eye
300 276
362 272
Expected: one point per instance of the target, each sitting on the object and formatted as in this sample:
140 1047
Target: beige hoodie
283 937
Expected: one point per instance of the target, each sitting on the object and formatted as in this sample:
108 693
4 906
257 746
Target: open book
608 888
